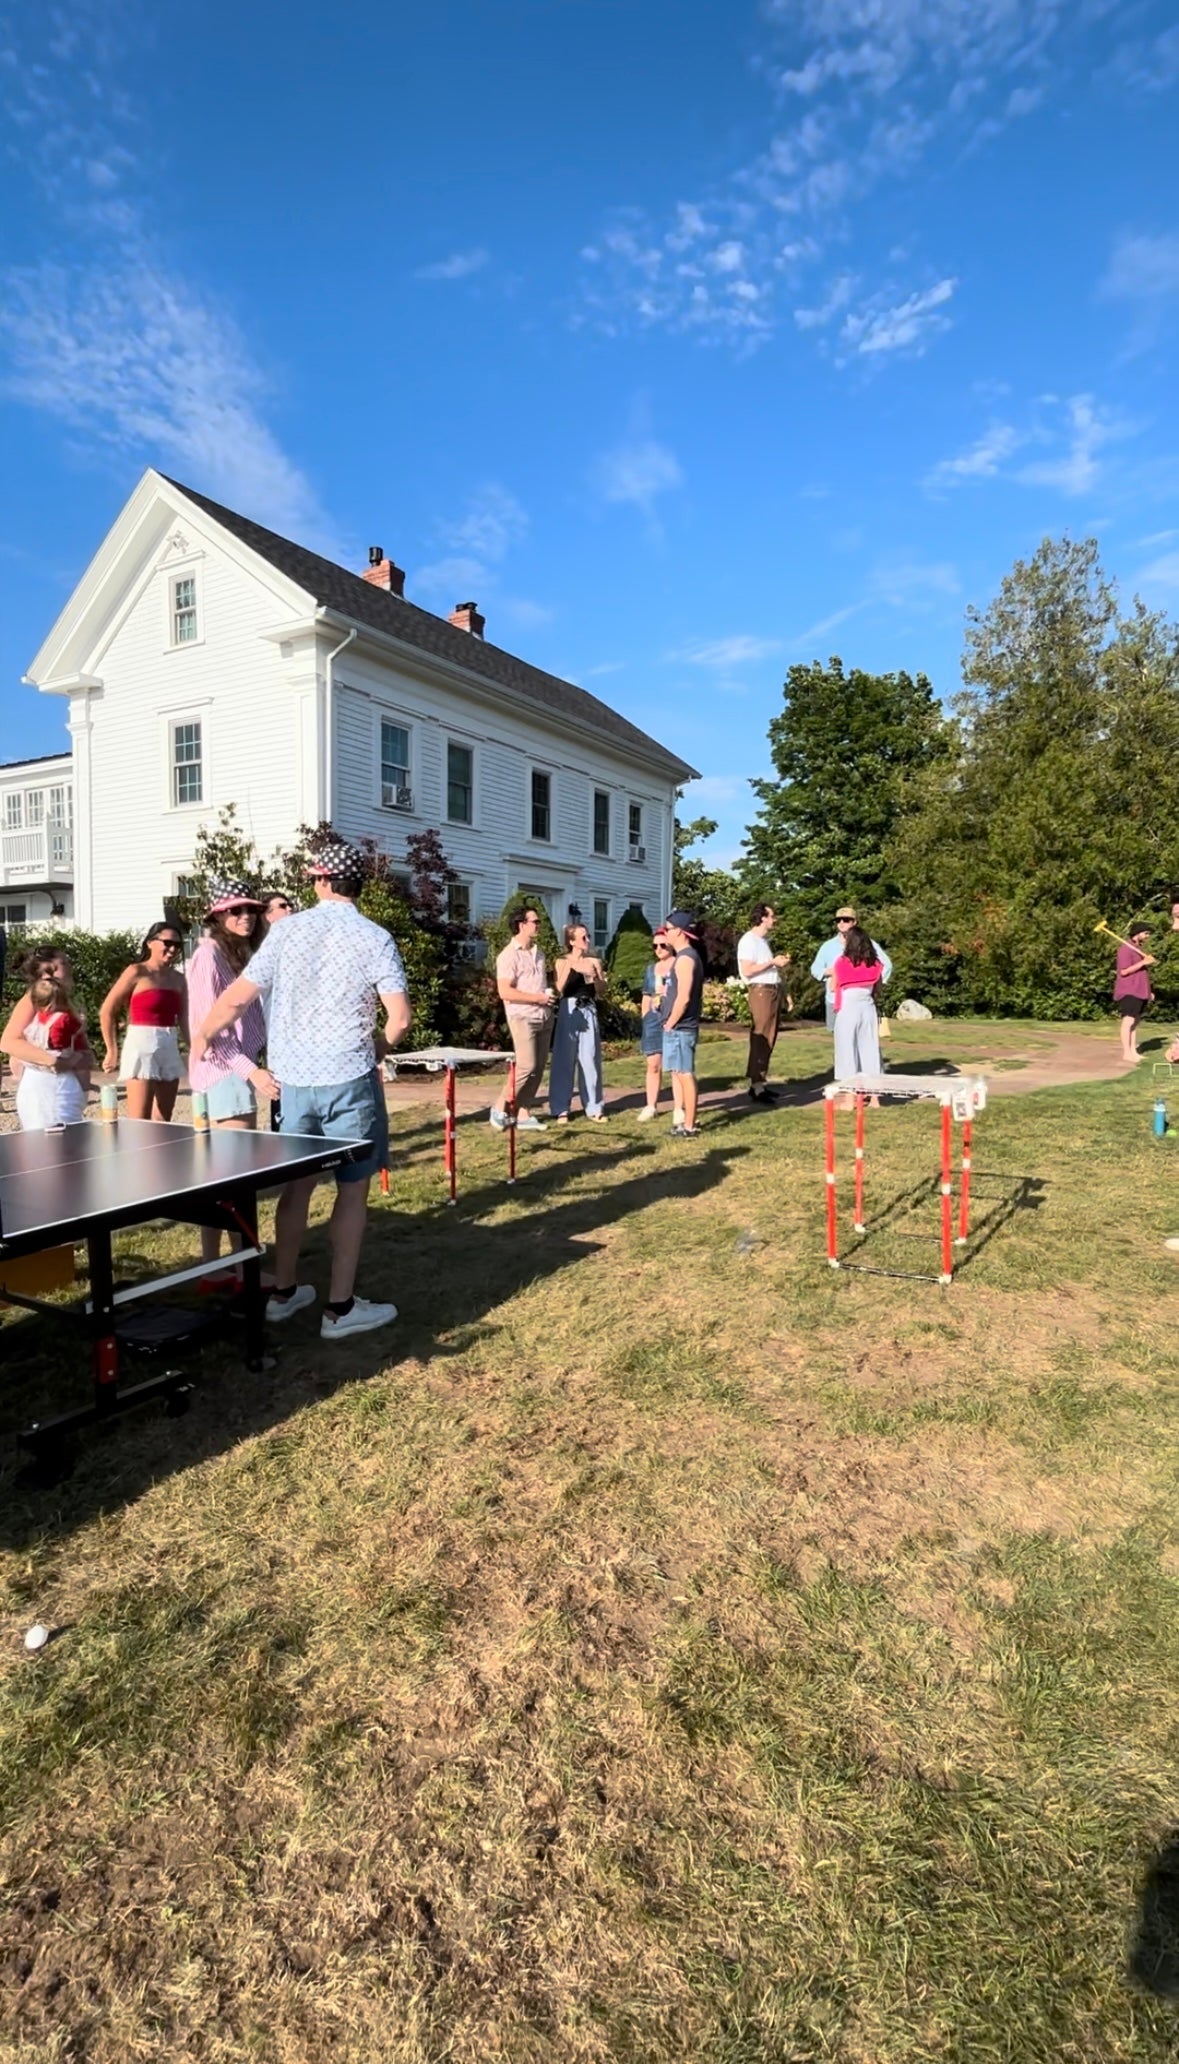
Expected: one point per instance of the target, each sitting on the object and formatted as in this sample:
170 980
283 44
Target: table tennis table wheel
177 1401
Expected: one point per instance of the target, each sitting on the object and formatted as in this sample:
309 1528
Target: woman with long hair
655 980
856 978
151 994
577 1038
229 1071
41 964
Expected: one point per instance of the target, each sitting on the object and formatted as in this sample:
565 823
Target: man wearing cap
680 1015
321 972
758 966
823 964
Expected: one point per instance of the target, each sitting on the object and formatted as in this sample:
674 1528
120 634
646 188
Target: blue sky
690 337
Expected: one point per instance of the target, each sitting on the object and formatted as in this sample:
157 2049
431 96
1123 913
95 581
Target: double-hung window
34 806
635 821
458 903
542 805
602 822
396 793
601 924
460 782
187 764
14 812
184 609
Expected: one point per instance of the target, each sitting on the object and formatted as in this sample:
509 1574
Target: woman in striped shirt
229 1071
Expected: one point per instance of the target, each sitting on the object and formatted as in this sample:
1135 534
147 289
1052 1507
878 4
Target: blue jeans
577 1055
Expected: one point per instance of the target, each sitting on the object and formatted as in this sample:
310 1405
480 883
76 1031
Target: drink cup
200 1110
108 1100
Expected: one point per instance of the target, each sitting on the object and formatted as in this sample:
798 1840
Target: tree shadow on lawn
447 1269
1154 1952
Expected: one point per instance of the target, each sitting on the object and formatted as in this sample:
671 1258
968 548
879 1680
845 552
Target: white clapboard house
205 660
37 842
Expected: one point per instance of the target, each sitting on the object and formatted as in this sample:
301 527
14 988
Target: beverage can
108 1099
200 1110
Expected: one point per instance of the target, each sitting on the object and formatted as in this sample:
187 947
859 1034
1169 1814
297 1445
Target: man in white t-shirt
759 967
319 974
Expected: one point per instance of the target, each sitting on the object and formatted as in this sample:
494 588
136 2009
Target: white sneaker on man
364 1317
279 1308
530 1124
497 1119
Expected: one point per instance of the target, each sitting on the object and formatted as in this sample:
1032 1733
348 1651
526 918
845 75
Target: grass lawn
658 1647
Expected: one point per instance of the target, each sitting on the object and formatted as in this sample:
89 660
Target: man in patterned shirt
319 975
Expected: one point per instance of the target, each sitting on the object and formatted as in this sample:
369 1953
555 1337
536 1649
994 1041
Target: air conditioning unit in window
638 854
396 798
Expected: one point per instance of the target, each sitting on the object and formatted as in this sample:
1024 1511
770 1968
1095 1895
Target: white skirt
151 1053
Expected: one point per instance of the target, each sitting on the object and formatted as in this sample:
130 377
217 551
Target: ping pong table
85 1182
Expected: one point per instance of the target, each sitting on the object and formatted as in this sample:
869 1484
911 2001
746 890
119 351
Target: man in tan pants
758 965
526 997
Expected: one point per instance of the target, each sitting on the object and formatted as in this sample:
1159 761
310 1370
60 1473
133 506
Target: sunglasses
278 903
169 945
845 920
240 910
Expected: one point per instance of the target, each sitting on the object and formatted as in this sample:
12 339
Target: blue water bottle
1160 1118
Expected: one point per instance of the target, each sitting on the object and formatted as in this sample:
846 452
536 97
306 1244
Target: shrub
630 952
498 932
469 1010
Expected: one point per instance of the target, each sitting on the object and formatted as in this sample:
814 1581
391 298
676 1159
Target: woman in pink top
856 977
229 1071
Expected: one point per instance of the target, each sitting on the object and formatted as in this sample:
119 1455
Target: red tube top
155 1007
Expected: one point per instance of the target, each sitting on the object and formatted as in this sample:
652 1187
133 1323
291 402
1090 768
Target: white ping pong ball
36 1638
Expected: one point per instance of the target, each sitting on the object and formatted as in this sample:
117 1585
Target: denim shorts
342 1110
679 1050
230 1097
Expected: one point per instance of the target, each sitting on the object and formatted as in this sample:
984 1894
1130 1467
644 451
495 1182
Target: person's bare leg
1126 1033
290 1225
165 1098
211 1235
684 1098
138 1097
346 1231
654 1079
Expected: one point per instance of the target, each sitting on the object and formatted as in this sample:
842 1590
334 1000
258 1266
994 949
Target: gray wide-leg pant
857 1035
577 1052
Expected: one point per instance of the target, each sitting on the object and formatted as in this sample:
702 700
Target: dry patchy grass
660 1649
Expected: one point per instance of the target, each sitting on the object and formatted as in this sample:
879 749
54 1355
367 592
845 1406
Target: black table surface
53 1180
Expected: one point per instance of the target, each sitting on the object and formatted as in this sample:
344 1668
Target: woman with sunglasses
152 994
21 1051
229 1071
655 981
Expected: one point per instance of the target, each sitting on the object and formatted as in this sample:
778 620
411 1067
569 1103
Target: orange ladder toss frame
961 1097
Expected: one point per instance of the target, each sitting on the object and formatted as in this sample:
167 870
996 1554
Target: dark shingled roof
349 595
35 761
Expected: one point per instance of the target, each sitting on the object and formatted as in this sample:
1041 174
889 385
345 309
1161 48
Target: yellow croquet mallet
1101 926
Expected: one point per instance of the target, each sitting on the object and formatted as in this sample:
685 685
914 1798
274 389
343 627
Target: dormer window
184 609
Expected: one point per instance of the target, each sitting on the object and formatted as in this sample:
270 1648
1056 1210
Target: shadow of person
1154 1952
448 1271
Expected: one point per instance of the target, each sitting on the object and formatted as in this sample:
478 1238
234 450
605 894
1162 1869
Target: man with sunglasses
823 964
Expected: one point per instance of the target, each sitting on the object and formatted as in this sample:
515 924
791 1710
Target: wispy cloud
867 91
1143 273
637 472
459 266
1071 433
1161 576
725 655
116 343
475 543
903 326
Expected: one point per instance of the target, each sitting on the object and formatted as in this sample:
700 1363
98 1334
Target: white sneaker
677 1119
280 1308
648 1112
1172 1246
530 1124
498 1119
364 1317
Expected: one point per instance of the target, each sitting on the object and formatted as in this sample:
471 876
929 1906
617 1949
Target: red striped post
964 1200
510 1108
947 1195
859 1218
450 1146
832 1232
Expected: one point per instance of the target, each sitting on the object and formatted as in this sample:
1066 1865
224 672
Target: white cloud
460 265
529 615
477 542
905 326
115 341
835 300
1161 576
905 583
1075 471
1143 269
723 655
982 460
638 472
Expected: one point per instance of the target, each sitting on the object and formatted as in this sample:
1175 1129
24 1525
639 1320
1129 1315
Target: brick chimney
383 573
465 617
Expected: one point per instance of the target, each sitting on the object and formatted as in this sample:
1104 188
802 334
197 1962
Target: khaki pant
763 1033
532 1051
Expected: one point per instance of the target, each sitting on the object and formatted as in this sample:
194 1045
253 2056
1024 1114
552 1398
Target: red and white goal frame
961 1098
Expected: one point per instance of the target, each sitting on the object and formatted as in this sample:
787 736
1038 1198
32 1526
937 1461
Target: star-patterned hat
336 860
228 893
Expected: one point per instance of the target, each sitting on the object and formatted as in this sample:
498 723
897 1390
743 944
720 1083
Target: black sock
342 1307
284 1296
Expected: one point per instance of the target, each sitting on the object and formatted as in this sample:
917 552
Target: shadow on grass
1015 1193
448 1271
1154 1953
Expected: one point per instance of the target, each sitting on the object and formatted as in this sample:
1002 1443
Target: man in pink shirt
528 1000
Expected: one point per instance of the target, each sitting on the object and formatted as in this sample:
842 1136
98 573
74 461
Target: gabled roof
349 595
37 760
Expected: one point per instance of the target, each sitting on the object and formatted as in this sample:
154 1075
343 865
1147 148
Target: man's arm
397 1015
821 964
885 962
229 1005
683 989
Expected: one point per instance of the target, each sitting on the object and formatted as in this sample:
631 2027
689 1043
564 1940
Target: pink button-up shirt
234 1051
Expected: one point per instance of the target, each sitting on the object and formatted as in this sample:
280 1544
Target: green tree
223 852
382 900
1058 804
499 932
716 895
844 748
630 952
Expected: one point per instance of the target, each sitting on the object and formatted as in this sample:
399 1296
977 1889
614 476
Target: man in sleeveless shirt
680 1013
